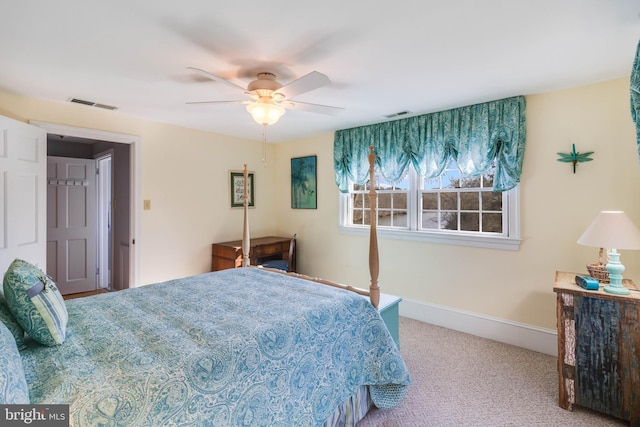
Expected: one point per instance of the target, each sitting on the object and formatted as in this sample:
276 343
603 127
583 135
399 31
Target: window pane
451 179
492 223
400 218
357 187
431 184
357 216
430 220
402 184
470 201
449 221
384 217
357 201
491 201
400 201
384 201
470 182
430 201
469 221
449 201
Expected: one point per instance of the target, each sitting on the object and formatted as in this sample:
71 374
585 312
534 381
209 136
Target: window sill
487 242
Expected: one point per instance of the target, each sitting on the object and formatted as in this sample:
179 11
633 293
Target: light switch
147 205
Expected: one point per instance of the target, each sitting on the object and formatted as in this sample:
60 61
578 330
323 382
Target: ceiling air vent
91 104
398 114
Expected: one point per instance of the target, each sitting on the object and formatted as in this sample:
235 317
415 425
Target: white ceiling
382 57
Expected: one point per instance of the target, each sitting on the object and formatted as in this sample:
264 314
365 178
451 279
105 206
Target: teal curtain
474 136
635 96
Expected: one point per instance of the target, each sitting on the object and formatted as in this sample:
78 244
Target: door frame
134 198
109 243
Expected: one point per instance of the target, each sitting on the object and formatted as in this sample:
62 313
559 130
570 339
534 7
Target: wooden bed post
374 263
245 228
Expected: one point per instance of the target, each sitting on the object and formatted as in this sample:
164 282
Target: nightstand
598 349
388 308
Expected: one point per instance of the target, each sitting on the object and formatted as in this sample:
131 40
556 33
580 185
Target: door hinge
97 271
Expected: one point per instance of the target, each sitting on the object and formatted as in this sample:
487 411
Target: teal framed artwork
304 185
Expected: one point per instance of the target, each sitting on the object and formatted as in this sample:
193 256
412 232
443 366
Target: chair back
292 254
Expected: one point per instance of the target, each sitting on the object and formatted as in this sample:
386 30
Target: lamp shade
611 229
265 113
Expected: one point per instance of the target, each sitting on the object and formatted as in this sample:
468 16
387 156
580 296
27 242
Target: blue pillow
36 303
11 323
13 384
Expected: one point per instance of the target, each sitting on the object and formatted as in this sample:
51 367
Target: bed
245 346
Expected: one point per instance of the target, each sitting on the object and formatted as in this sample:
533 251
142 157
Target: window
452 209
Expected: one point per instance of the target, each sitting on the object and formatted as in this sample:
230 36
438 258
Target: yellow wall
557 206
185 175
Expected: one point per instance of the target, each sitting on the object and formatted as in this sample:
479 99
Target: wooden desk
229 254
598 349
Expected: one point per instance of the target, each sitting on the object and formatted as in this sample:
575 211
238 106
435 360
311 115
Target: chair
288 264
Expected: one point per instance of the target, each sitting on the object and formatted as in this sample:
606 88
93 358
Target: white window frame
509 240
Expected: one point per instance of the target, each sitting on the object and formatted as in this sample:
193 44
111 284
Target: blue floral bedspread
239 347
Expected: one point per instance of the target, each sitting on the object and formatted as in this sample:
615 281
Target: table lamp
613 230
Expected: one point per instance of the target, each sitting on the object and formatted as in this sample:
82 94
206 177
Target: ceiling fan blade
220 102
306 83
313 108
217 79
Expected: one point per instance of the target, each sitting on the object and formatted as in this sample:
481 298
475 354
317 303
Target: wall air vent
398 114
106 107
92 104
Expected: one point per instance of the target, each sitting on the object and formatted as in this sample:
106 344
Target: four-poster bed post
374 265
245 229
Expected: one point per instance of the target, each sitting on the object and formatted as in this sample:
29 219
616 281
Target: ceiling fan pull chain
264 145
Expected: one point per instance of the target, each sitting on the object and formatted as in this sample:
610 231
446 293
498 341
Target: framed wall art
236 178
304 187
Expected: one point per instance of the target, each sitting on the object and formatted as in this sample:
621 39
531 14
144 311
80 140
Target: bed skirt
351 410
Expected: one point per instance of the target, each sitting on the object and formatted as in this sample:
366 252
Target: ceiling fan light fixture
265 113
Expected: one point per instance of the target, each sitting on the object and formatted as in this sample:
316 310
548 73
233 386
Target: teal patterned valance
635 96
474 136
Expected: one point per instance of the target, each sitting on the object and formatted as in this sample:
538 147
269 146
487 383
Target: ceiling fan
269 98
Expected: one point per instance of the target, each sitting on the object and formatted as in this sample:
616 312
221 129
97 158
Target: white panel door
23 155
72 224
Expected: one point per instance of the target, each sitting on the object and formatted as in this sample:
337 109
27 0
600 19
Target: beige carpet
462 380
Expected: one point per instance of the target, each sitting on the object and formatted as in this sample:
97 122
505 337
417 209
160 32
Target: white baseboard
519 334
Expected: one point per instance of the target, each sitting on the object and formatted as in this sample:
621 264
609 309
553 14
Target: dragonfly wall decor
574 157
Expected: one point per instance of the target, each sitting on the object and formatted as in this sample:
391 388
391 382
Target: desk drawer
267 250
225 252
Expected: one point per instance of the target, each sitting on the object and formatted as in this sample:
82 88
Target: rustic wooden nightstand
598 349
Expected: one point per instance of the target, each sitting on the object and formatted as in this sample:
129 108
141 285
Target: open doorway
116 250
